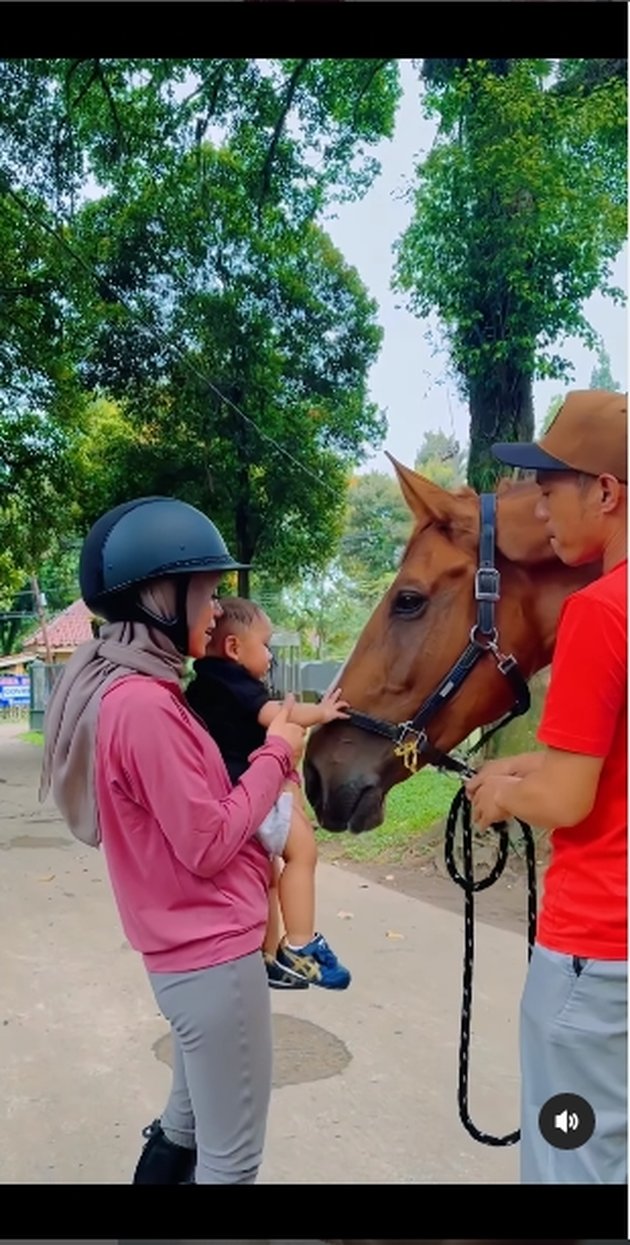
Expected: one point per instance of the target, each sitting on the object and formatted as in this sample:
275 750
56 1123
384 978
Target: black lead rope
470 886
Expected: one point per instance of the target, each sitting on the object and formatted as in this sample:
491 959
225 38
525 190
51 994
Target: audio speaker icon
567 1121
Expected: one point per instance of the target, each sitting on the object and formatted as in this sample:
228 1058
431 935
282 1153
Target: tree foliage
309 123
326 611
519 212
601 375
601 378
59 585
206 179
197 279
273 335
377 527
441 459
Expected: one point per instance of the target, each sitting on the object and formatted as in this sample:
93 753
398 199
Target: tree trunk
501 408
244 549
243 583
244 544
9 629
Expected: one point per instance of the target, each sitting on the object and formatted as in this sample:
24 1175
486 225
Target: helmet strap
175 628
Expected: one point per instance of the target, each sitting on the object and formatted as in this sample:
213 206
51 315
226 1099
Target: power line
162 338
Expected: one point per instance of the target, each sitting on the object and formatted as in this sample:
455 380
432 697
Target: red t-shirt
584 909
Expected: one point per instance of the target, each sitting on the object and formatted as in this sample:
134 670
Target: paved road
365 1081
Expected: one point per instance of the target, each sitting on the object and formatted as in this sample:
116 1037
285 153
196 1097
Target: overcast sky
409 379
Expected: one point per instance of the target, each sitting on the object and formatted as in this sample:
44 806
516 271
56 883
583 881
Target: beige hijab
122 649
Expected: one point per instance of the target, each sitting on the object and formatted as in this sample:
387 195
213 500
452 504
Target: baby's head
242 633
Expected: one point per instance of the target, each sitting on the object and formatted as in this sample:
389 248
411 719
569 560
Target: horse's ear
425 499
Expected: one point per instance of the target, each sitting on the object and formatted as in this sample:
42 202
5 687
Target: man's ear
611 492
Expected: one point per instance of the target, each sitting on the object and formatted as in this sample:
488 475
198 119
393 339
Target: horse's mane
507 484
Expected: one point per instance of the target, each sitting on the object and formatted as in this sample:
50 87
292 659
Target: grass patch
411 808
33 737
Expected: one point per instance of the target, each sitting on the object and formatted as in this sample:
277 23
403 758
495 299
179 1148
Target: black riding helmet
143 540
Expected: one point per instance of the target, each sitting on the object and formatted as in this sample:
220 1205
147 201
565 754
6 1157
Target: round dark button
566 1121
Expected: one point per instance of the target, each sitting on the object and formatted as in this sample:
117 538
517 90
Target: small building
15 663
284 675
73 626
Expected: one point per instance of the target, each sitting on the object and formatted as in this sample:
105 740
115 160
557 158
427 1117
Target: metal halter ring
407 746
491 639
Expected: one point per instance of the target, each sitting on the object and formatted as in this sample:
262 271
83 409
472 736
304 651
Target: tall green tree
59 586
441 459
326 612
40 398
519 212
601 375
298 133
376 529
310 121
253 370
601 378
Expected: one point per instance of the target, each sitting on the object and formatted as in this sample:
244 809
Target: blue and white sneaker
316 963
279 978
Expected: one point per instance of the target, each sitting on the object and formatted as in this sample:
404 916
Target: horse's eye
409 604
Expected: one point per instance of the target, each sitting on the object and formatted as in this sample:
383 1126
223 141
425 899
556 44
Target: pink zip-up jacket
190 879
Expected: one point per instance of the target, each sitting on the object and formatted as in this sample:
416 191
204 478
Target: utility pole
39 607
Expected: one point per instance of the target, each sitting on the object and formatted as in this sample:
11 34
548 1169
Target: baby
229 694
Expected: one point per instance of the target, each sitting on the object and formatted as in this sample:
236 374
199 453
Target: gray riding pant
220 1022
573 1039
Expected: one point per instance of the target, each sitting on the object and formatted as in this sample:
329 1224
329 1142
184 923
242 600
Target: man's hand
521 765
485 794
550 788
491 769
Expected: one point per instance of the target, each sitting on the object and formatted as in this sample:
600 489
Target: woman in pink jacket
132 769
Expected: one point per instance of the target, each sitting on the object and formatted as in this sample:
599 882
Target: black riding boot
163 1162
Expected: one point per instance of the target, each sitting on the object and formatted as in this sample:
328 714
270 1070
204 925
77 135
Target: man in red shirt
574 1007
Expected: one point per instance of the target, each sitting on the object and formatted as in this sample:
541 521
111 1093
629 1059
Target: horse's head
420 629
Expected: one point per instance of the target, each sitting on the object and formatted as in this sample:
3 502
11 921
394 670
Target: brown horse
418 632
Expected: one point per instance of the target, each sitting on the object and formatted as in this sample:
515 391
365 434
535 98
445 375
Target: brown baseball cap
589 434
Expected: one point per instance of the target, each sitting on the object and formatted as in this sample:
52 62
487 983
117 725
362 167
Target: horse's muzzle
355 805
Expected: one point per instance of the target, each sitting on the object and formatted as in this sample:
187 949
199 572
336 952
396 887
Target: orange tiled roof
67 630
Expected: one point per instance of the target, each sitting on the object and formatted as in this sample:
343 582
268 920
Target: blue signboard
14 690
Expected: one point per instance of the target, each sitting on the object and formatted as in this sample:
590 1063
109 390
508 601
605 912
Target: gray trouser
573 1040
220 1021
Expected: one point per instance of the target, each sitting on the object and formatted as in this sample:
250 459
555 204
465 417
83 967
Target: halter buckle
487 584
505 663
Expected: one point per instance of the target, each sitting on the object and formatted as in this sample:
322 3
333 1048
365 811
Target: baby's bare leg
272 933
296 886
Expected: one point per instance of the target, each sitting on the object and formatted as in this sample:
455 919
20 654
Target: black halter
410 738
